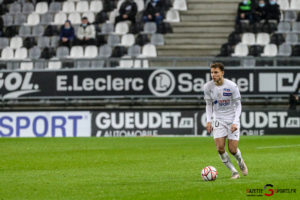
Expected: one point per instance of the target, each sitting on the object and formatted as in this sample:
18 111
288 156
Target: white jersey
223 98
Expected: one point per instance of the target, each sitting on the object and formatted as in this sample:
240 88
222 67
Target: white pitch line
279 147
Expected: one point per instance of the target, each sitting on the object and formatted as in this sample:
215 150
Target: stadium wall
139 122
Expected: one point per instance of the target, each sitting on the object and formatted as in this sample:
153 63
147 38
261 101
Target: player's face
216 74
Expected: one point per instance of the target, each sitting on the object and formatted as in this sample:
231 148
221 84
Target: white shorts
222 129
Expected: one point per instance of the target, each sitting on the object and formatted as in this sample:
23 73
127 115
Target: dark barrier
187 122
120 83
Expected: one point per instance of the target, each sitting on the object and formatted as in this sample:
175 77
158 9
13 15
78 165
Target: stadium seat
90 51
97 63
134 51
150 28
54 7
180 5
25 31
54 65
82 64
291 38
140 5
82 6
7 53
125 62
127 40
270 50
105 51
157 39
241 50
296 50
149 50
41 7
262 39
27 8
113 40
284 4
172 16
285 50
7 20
90 16
38 30
290 16
284 27
295 5
60 18
46 19
119 4
76 52
16 42
15 8
96 6
248 62
296 27
26 66
112 16
142 62
54 41
68 7
43 42
122 28
33 19
39 65
13 65
19 19
107 28
248 38
75 18
255 50
4 42
277 39
21 53
62 52
35 53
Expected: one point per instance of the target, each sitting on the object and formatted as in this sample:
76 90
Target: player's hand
233 128
209 127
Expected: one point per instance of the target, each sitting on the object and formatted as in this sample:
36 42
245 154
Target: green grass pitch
143 168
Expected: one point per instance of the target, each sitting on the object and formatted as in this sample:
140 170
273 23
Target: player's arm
238 109
209 109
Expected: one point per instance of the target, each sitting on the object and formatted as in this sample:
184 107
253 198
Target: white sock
238 156
227 162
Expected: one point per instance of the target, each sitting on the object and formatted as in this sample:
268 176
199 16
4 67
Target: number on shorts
216 123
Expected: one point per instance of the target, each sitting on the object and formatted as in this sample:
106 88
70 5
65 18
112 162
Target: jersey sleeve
207 95
236 93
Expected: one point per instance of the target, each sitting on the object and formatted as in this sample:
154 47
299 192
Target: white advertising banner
45 124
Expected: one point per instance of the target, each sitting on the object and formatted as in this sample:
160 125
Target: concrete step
195 29
196 35
207 15
219 5
186 63
188 50
203 24
196 41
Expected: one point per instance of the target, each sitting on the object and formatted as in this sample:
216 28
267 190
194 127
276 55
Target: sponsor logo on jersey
227 94
225 102
226 90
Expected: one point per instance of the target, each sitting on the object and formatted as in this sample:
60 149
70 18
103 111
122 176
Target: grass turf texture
142 168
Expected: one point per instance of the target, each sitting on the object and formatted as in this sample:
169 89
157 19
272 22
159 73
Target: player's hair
217 65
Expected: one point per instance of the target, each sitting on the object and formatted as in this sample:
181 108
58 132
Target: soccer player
223 104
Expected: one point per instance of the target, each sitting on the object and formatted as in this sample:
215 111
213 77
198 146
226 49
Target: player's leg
235 151
220 144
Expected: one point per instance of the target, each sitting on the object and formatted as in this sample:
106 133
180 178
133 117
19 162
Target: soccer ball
209 173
